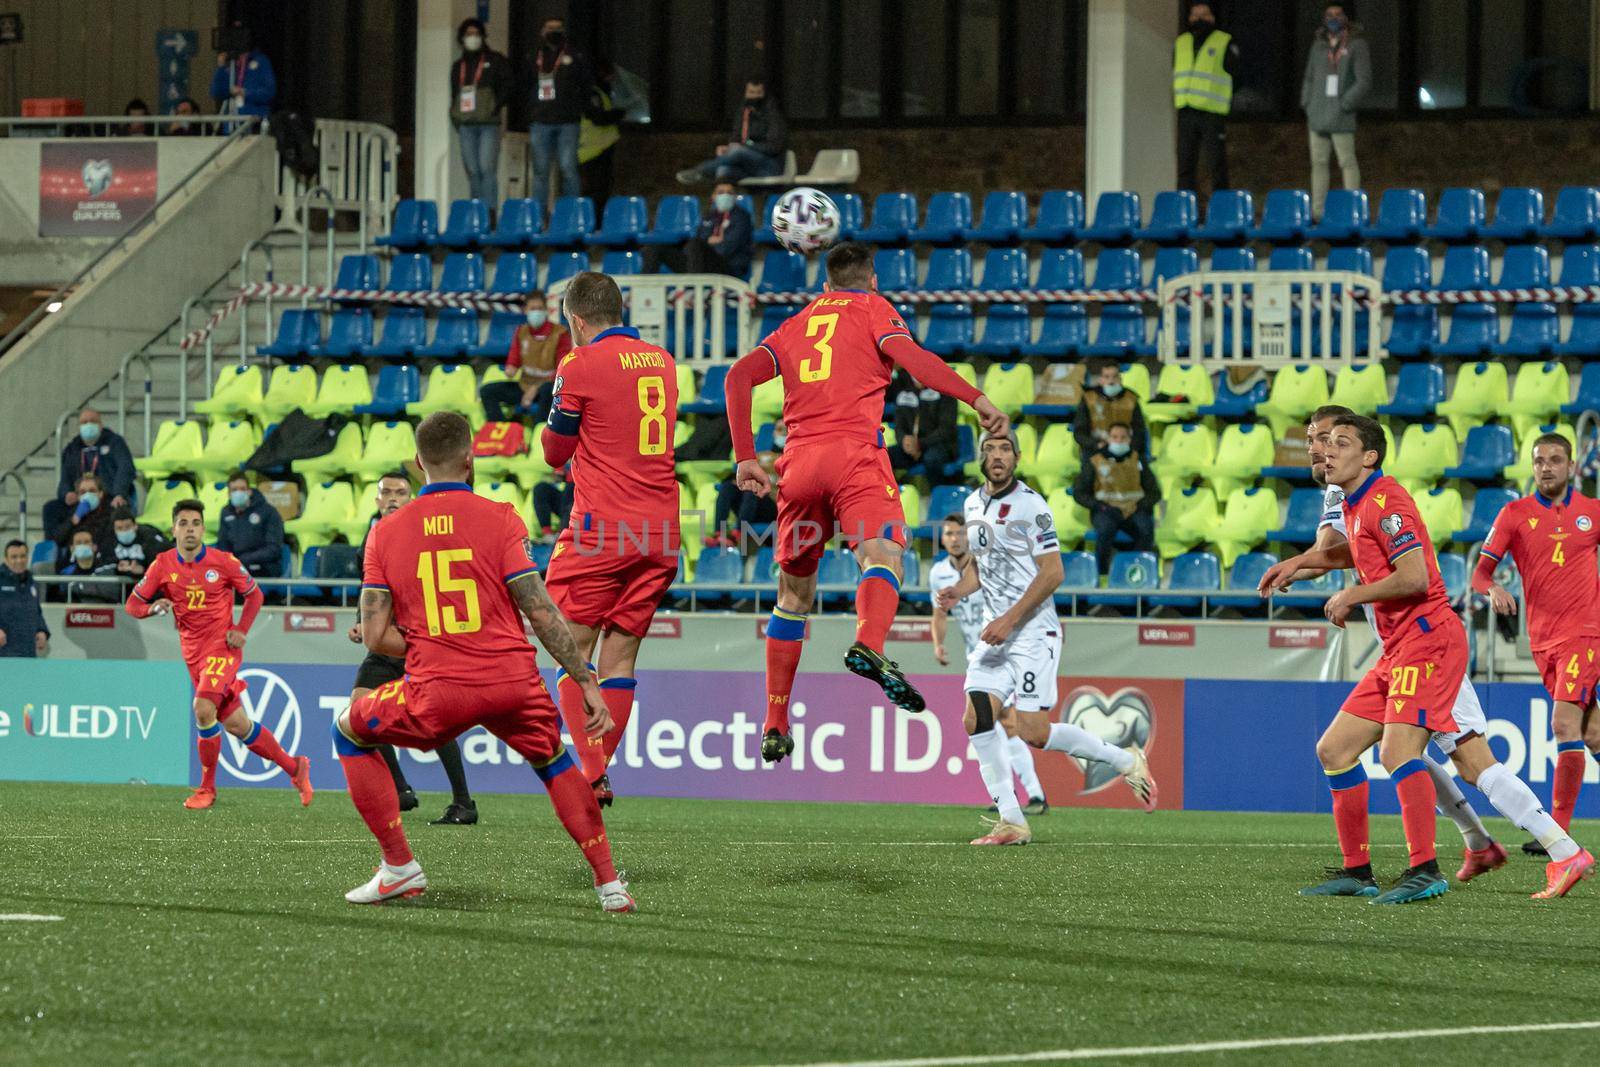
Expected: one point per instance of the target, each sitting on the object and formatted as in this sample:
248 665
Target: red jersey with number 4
446 559
1553 543
834 371
1384 526
619 396
201 593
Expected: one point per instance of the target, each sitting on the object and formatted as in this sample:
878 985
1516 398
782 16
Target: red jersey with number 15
201 592
834 371
1553 543
619 396
1384 526
446 559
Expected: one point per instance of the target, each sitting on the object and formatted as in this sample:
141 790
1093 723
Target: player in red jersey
195 584
1552 537
836 357
1410 696
612 416
442 584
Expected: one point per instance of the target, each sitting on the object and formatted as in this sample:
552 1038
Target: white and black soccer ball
805 220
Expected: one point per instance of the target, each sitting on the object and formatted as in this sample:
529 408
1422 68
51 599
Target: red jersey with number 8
446 559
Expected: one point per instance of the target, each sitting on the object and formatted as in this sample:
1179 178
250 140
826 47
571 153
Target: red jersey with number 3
1553 543
201 592
834 373
1384 526
446 559
619 396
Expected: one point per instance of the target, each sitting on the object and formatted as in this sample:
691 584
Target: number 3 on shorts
818 370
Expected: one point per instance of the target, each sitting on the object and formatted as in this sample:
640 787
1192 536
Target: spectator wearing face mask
23 631
724 243
757 142
1119 492
536 349
481 84
91 514
83 560
132 545
96 450
562 81
251 529
1337 79
1106 402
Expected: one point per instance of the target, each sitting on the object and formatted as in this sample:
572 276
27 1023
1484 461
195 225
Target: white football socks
1513 799
1454 804
1076 741
1020 753
996 770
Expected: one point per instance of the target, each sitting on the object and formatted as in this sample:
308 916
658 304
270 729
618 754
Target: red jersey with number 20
1384 526
1553 543
446 559
834 372
201 592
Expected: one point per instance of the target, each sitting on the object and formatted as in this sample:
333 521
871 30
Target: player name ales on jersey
968 611
1006 533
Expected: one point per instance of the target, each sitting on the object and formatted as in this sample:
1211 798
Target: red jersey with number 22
1384 526
201 592
834 373
1553 543
446 559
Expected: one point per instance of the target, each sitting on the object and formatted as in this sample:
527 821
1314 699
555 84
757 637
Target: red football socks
590 750
372 792
1570 763
786 632
618 693
877 600
260 741
210 746
1350 789
573 799
1417 799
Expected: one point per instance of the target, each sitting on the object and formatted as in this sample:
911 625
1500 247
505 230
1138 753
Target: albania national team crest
1127 717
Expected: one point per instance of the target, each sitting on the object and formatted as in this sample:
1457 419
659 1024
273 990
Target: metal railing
694 312
358 170
1291 317
22 501
84 126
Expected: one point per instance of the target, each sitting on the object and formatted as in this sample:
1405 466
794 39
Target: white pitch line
1202 1047
25 918
209 841
1082 844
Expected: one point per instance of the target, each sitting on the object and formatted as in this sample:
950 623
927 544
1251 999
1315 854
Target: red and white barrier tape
476 301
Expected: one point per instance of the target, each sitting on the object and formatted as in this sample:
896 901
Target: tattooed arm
533 601
378 631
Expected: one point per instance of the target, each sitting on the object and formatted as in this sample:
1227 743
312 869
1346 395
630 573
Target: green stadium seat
1361 388
343 388
1424 453
1539 393
1010 386
1055 459
341 461
451 387
911 505
529 468
237 392
1191 519
1246 519
1187 450
389 445
507 493
365 496
214 495
1441 512
159 498
1242 451
1479 395
176 450
1296 392
1521 472
228 445
329 506
1136 380
766 400
1176 379
1071 518
292 386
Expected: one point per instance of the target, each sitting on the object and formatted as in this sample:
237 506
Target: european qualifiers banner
94 188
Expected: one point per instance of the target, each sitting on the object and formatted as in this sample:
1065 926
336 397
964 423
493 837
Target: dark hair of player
1328 411
444 439
1371 434
14 543
396 473
1554 439
850 265
188 505
594 298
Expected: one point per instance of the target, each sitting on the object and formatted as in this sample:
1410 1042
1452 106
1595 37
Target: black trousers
501 400
1108 522
1202 134
552 504
935 459
694 256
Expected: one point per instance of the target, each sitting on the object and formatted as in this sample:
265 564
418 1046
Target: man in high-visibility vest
1202 91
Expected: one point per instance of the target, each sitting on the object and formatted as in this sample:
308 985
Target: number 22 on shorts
819 369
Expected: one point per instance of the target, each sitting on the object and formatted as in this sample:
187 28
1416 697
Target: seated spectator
536 348
136 106
1119 492
757 142
746 508
1107 402
84 560
186 106
724 243
251 529
96 450
924 428
92 514
23 632
552 504
132 546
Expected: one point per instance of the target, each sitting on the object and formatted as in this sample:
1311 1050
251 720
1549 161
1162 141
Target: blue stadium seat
349 334
949 214
520 221
624 221
763 574
950 329
943 500
1191 570
1117 268
1285 217
1291 257
467 225
1230 215
1004 268
1301 518
398 384
358 272
416 225
1233 259
1518 215
1233 405
1588 398
949 268
1524 267
1006 330
455 334
405 330
1453 572
896 269
1121 330
1310 596
1577 214
1173 218
1078 571
410 272
784 272
718 572
1415 327
1461 214
571 220
1065 327
1485 507
1004 216
1580 265
563 265
1418 390
496 343
852 215
515 274
1059 220
838 567
908 314
1535 330
774 315
1130 570
1060 268
1465 267
1487 451
1402 215
1248 570
713 398
1351 258
622 261
308 569
677 219
299 334
1345 217
462 273
894 216
763 221
1116 217
1170 262
1474 328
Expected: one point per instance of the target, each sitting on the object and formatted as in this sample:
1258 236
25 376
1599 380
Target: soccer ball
805 220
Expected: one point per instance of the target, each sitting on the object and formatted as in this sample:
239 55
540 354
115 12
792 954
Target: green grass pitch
768 934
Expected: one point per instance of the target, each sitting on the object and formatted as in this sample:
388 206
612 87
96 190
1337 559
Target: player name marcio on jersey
641 360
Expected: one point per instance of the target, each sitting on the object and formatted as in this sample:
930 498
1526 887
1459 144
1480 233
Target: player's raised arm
1409 579
753 368
533 600
1494 550
1043 587
145 598
935 373
378 631
1318 561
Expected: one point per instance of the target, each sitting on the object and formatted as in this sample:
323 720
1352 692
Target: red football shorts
425 715
1571 670
214 672
602 589
844 487
1415 682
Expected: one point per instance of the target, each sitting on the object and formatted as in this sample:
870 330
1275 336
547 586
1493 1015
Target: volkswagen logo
270 702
